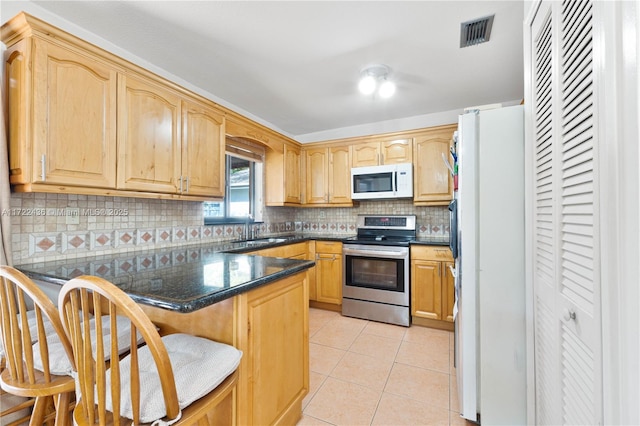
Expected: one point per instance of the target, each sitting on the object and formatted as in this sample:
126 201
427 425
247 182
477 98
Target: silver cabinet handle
319 257
43 165
187 179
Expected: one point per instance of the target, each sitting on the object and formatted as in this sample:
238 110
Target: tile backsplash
62 226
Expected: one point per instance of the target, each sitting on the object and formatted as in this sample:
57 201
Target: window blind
245 149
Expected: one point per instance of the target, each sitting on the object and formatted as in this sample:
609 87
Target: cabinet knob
569 314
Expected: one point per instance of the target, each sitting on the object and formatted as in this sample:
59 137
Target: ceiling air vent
476 31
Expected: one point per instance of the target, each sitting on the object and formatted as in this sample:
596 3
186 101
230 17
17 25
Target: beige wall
109 225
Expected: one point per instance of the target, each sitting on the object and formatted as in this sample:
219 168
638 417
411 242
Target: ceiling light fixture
375 78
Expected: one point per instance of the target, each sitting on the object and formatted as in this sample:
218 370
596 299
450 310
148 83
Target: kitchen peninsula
257 304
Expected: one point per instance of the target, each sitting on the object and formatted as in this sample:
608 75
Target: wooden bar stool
177 378
29 371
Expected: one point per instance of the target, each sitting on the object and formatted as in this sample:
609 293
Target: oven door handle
374 253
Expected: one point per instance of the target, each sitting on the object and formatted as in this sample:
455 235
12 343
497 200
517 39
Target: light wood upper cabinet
382 152
149 118
203 156
168 143
328 174
282 176
432 181
340 175
62 116
366 154
84 121
292 184
397 151
317 176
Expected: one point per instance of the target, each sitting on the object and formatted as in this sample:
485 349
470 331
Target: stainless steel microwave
382 182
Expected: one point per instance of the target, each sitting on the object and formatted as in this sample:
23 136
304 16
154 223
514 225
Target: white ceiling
294 65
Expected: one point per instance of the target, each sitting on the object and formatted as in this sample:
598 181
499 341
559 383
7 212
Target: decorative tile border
145 236
74 242
124 238
100 240
193 233
57 245
179 234
163 235
43 243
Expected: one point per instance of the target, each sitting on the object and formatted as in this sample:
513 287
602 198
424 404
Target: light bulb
367 85
387 89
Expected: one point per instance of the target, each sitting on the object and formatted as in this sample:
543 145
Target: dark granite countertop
188 278
179 279
429 241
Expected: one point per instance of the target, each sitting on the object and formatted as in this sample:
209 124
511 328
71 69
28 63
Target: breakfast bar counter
258 304
182 280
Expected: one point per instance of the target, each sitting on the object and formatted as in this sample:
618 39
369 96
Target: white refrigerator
490 278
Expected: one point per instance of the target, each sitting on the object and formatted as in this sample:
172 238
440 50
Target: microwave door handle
395 181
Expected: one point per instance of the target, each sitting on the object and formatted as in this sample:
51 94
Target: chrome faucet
249 231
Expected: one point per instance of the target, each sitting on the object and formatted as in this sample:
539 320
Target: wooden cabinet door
292 174
339 174
448 291
329 278
313 286
149 157
203 155
426 289
433 183
329 272
317 178
366 154
396 151
273 323
74 116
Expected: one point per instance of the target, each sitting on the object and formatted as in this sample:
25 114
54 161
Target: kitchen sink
261 241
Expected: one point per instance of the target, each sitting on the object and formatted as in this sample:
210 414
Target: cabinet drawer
294 250
329 247
438 253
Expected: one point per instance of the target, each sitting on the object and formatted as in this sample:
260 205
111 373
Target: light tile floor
368 373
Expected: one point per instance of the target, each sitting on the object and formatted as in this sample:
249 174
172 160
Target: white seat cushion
199 366
33 328
59 361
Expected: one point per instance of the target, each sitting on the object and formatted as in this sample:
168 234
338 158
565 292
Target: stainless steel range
376 269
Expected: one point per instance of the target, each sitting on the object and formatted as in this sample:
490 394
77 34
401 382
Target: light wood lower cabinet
432 286
275 344
270 325
328 256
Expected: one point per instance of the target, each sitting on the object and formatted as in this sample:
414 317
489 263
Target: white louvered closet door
566 276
